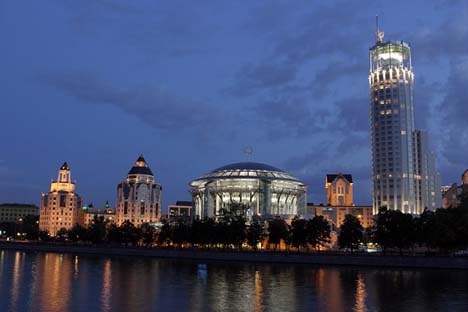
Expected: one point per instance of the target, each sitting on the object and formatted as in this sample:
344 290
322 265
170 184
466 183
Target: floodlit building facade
396 175
16 212
139 196
61 207
181 211
339 189
429 178
106 212
451 195
263 190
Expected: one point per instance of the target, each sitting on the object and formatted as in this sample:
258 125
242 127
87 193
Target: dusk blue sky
189 84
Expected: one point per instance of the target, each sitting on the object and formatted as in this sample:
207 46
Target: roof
141 167
331 177
248 166
65 166
183 203
248 170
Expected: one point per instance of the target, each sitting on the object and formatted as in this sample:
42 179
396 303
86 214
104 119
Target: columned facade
261 190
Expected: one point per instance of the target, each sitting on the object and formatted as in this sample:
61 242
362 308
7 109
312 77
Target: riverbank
322 258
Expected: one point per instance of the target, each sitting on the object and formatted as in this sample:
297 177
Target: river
64 282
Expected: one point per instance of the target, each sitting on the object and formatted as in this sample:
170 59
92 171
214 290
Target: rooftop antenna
248 150
379 35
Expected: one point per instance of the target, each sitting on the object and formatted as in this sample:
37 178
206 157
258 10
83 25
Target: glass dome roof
248 170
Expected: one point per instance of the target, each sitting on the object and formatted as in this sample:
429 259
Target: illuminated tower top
389 54
63 182
140 172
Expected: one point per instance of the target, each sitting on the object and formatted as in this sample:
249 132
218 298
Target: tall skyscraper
396 163
138 196
429 186
61 207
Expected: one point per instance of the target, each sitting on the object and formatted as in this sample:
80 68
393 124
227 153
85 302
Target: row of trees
230 231
444 230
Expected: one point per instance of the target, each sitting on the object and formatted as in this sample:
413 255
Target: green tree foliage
277 231
97 230
44 236
231 227
62 234
30 226
350 233
395 230
318 231
298 232
180 233
130 235
78 233
148 234
165 234
255 234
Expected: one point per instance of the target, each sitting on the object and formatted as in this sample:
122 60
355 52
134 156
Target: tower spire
379 35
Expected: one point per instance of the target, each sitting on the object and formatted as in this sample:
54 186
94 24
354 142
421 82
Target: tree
318 231
62 234
255 234
114 234
129 233
44 236
165 234
350 233
231 226
30 226
97 230
180 233
395 230
77 233
148 234
277 231
298 232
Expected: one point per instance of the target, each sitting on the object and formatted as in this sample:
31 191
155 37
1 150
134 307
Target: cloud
153 105
256 77
454 112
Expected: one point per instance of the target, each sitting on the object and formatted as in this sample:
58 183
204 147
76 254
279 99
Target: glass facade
264 191
394 157
404 175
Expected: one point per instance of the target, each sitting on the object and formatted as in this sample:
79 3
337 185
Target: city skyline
299 98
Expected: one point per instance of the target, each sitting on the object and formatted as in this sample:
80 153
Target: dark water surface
55 282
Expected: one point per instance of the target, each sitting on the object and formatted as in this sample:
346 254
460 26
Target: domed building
263 190
139 196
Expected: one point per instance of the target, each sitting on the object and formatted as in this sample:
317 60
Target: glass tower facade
394 154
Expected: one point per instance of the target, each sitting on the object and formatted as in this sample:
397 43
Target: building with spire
61 207
339 189
138 196
398 166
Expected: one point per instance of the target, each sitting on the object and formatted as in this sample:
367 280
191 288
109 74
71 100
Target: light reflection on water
54 282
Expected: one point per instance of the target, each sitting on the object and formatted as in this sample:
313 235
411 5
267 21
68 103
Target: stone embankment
320 258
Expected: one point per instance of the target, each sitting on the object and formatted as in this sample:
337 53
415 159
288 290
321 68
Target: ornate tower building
138 196
339 189
61 207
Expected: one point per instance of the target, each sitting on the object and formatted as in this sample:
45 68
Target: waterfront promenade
313 258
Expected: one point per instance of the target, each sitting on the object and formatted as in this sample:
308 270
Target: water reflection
53 282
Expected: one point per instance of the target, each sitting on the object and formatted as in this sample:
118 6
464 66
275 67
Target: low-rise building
180 211
451 195
106 212
336 214
15 212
